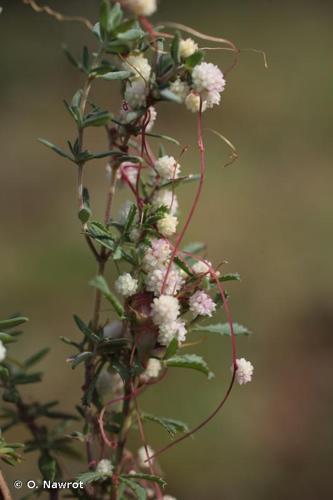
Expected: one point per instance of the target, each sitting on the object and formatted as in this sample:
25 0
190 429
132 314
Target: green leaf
35 358
80 358
98 232
163 137
180 180
90 477
183 266
171 425
229 277
56 149
171 349
24 378
194 248
116 75
131 35
193 60
97 119
47 466
192 361
168 95
6 324
71 58
6 338
100 283
175 52
138 490
89 334
146 477
222 329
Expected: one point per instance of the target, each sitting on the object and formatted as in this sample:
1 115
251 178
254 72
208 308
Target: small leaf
97 119
146 477
6 338
138 490
100 283
90 477
80 358
6 324
229 277
193 60
56 149
192 361
180 180
171 425
171 349
163 137
85 329
47 466
194 248
116 75
35 358
168 95
222 329
130 35
183 266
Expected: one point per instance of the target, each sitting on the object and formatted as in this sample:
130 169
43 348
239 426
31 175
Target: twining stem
4 490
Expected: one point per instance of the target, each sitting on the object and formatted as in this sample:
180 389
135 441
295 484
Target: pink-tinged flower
167 167
155 280
169 331
207 77
202 304
244 371
157 255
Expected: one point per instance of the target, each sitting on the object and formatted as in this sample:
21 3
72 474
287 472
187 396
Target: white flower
126 285
168 225
113 330
142 7
157 255
166 198
155 280
180 89
165 309
3 351
201 267
207 77
187 48
167 167
143 456
105 467
202 304
139 65
169 497
244 371
168 331
152 118
192 103
127 171
124 212
136 93
153 369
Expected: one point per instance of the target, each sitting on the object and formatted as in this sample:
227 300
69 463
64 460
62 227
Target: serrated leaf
138 490
171 425
192 361
90 477
35 358
100 283
222 329
230 277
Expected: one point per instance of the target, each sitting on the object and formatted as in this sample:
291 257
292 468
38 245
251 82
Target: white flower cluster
165 312
139 66
143 456
142 7
153 369
165 197
167 167
126 285
3 352
156 255
105 467
155 280
244 371
180 89
136 94
187 48
167 226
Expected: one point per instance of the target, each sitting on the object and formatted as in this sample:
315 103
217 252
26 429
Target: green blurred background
269 215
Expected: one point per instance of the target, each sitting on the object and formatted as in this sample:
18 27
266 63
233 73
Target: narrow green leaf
168 95
181 180
194 248
90 477
6 324
80 358
47 466
163 137
85 329
230 277
193 60
183 266
175 52
116 75
222 329
171 349
100 283
35 358
131 35
55 148
6 338
192 361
